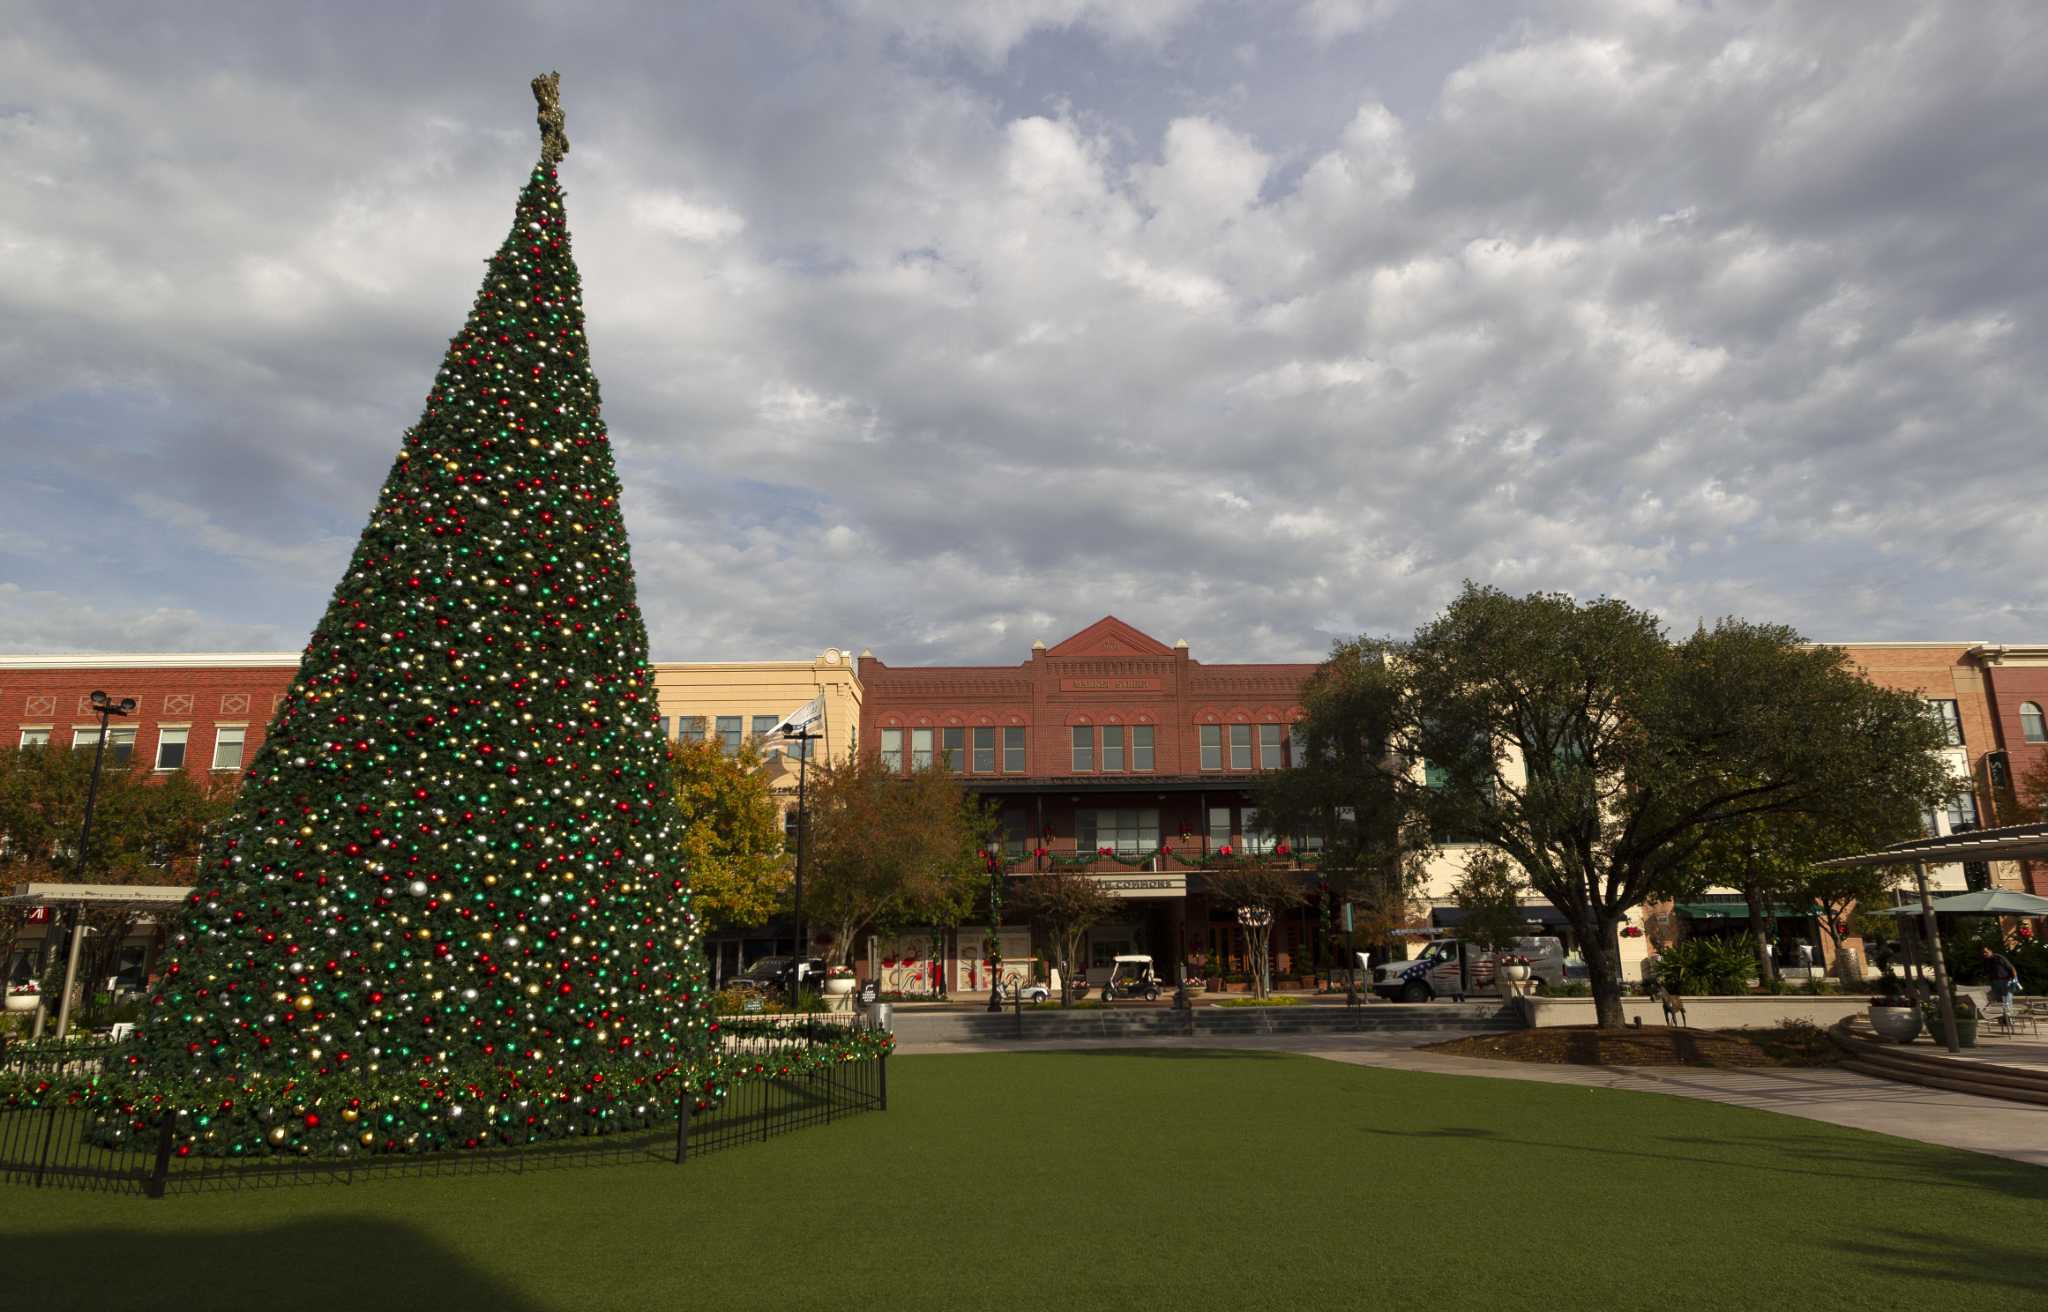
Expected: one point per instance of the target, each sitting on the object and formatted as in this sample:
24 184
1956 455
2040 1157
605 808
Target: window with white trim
920 749
954 743
1212 746
36 737
1112 747
1272 746
1240 747
1141 747
170 746
1124 832
228 740
1084 748
2033 726
892 750
1013 749
984 749
120 743
1256 839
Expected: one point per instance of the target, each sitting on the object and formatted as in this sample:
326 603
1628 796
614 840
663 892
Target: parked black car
773 974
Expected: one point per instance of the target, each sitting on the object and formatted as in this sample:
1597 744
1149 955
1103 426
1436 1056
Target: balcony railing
1186 852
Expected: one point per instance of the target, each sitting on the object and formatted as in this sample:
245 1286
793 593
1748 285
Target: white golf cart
1131 977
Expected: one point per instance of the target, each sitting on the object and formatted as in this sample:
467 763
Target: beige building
731 701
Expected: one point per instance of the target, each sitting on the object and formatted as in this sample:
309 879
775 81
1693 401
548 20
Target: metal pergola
2007 843
78 897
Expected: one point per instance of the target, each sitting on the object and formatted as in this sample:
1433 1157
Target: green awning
1735 911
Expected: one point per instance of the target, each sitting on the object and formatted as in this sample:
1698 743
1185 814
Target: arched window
2032 726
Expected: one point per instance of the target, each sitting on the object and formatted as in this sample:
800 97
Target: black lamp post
803 737
107 708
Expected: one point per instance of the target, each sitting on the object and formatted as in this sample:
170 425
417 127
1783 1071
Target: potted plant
1967 1017
1892 1013
25 996
838 987
1514 968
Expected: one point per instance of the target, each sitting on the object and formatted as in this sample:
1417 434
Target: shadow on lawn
1880 1162
341 1262
1975 1261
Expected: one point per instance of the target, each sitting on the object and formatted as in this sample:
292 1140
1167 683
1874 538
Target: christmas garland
364 1112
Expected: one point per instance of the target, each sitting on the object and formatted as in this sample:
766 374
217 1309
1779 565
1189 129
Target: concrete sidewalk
1952 1120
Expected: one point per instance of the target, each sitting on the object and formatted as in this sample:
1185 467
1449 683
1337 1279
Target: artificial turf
1149 1179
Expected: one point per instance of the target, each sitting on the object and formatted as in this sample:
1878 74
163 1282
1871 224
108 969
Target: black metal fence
84 1147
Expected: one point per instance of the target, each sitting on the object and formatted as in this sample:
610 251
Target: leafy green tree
454 870
732 833
1063 905
146 831
1489 894
1600 756
888 851
1375 840
1257 893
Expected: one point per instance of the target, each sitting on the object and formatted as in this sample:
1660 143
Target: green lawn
1155 1179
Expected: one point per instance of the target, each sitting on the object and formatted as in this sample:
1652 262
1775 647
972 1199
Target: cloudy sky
936 328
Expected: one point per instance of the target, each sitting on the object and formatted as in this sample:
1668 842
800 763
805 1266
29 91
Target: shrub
1571 988
1701 967
1260 1002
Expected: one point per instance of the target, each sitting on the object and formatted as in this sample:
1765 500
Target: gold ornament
304 1002
351 1115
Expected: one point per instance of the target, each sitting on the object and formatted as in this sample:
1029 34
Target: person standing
2005 980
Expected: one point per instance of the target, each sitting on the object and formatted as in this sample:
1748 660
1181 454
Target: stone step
1867 1054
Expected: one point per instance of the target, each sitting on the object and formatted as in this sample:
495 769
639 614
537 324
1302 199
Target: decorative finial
547 93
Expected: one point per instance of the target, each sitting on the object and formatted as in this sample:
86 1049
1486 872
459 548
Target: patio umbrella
1983 902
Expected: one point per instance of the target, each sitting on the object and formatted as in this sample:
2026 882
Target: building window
985 750
2033 727
227 746
170 747
1013 750
1962 813
1272 746
1240 747
1950 717
1256 839
690 728
1084 747
729 734
120 743
35 737
789 827
920 749
761 725
1219 827
1125 832
1013 836
1141 747
892 750
1112 747
1212 747
955 743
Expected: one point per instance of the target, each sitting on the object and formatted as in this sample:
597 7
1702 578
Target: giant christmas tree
448 908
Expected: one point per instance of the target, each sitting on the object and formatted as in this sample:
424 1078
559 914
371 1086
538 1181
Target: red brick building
196 712
2016 685
1109 752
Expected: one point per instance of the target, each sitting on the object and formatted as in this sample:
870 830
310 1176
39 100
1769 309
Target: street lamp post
803 737
107 708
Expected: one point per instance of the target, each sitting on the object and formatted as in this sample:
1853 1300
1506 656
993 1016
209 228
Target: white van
1452 968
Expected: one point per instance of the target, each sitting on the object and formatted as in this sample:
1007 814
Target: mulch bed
1651 1045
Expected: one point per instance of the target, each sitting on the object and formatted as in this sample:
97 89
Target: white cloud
961 338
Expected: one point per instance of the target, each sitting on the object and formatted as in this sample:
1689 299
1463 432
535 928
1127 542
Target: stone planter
1899 1024
24 1001
1515 972
838 993
1966 1029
